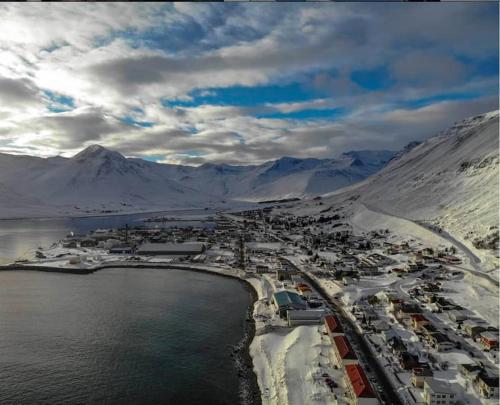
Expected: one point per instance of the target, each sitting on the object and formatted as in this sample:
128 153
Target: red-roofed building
333 326
418 320
343 351
360 390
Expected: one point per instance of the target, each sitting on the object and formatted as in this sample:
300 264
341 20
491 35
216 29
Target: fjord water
19 238
120 336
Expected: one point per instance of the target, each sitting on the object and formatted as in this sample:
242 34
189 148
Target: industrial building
288 300
175 249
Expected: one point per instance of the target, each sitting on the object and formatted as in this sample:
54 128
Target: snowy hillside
97 180
450 181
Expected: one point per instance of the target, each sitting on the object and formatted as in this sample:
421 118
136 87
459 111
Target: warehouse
175 249
288 300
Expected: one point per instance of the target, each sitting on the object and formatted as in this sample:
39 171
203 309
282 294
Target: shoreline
249 390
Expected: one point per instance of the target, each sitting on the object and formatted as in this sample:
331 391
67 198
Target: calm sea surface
121 336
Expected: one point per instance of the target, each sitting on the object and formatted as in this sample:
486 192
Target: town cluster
383 308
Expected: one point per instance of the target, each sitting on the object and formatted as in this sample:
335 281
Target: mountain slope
450 180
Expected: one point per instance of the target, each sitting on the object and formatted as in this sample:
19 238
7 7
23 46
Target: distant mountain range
98 179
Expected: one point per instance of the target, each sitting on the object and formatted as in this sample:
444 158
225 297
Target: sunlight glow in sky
240 83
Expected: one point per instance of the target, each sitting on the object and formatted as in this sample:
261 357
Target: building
333 326
419 375
396 345
343 351
261 268
473 328
487 385
441 343
489 340
360 391
470 371
88 242
380 326
438 393
175 249
408 361
417 321
304 290
305 317
121 249
288 300
457 316
406 311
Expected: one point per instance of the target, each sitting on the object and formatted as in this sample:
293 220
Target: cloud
18 92
420 70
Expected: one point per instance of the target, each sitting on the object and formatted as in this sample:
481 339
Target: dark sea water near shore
122 336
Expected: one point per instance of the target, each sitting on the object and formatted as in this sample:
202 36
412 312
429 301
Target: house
359 390
288 300
473 328
408 361
419 375
438 393
487 385
451 259
442 304
380 325
395 304
457 316
489 340
389 335
343 351
304 290
428 330
397 345
417 321
441 343
470 371
406 311
333 326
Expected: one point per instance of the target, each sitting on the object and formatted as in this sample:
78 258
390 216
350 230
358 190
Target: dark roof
440 338
490 381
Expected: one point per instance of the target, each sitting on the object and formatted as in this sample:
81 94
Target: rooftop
344 348
438 386
359 381
333 324
288 297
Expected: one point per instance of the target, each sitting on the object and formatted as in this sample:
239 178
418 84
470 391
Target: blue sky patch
59 103
308 114
372 79
242 96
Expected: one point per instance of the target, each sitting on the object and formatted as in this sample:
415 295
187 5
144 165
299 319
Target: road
389 393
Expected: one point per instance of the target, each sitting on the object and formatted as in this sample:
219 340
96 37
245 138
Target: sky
240 83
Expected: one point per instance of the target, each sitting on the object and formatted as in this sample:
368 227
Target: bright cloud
240 83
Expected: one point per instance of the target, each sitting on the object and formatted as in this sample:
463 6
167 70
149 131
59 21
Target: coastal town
342 316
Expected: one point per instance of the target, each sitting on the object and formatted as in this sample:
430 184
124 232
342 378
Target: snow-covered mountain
450 180
100 179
